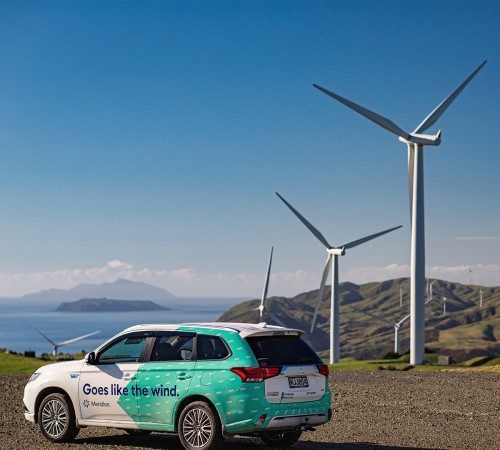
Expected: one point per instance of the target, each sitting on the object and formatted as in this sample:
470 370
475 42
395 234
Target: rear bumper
296 421
282 417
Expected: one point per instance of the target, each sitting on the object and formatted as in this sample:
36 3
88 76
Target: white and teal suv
203 381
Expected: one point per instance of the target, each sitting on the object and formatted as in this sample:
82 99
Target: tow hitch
306 427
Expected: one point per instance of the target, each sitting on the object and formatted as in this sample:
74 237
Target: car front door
107 388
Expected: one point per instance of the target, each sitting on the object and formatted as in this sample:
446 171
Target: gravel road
381 410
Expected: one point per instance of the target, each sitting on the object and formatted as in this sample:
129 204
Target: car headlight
34 377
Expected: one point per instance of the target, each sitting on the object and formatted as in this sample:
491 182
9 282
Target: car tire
281 438
199 427
56 418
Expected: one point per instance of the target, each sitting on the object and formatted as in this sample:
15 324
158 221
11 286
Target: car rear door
165 377
301 376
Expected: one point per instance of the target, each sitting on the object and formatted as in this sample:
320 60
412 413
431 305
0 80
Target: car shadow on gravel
171 441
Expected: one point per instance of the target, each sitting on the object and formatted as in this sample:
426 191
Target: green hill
464 332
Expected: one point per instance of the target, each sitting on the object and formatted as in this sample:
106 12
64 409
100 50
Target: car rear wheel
281 438
199 427
57 418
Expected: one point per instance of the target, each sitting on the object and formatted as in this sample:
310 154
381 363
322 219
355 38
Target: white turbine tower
60 344
415 142
481 297
332 260
430 290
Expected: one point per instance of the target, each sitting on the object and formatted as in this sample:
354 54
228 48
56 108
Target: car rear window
282 350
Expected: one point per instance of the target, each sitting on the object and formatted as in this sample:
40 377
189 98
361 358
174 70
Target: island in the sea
109 305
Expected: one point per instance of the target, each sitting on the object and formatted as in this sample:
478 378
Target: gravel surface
381 410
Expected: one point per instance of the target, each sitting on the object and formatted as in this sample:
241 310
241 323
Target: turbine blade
77 339
312 229
43 335
266 285
406 318
373 116
379 318
368 238
321 289
432 118
411 171
430 300
276 319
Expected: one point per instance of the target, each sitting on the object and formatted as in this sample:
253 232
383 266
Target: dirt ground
371 410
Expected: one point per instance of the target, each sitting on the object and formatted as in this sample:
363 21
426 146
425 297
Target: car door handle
128 377
184 376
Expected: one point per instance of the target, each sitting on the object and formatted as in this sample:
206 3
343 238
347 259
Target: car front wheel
199 427
281 438
57 418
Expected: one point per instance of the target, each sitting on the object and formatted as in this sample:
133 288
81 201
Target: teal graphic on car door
107 387
165 378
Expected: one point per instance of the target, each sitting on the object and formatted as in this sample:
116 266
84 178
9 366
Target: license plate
298 382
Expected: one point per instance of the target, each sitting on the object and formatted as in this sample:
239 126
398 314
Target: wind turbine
60 344
332 260
397 326
481 297
415 142
470 276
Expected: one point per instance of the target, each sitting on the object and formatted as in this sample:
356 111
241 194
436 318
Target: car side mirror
91 358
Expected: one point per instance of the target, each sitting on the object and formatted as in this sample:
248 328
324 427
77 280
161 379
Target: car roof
243 329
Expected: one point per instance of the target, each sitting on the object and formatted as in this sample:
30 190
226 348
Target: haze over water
17 319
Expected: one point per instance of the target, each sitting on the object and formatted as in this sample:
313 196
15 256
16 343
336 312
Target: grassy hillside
464 332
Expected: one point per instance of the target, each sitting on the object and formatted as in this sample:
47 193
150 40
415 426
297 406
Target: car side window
173 347
211 347
128 349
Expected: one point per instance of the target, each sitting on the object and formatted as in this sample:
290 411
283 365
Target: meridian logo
86 403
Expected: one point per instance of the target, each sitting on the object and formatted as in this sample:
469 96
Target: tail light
323 369
255 374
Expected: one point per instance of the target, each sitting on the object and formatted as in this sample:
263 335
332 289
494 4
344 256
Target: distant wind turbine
397 326
332 260
481 297
55 346
415 142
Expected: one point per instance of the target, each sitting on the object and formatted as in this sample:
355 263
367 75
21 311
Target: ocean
19 318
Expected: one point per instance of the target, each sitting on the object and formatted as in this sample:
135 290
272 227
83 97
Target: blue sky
146 140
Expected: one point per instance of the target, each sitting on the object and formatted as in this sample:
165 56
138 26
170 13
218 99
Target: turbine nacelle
422 139
336 251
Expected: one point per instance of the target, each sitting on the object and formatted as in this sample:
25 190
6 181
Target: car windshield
282 350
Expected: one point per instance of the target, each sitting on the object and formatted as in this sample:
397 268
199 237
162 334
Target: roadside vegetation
11 364
16 364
